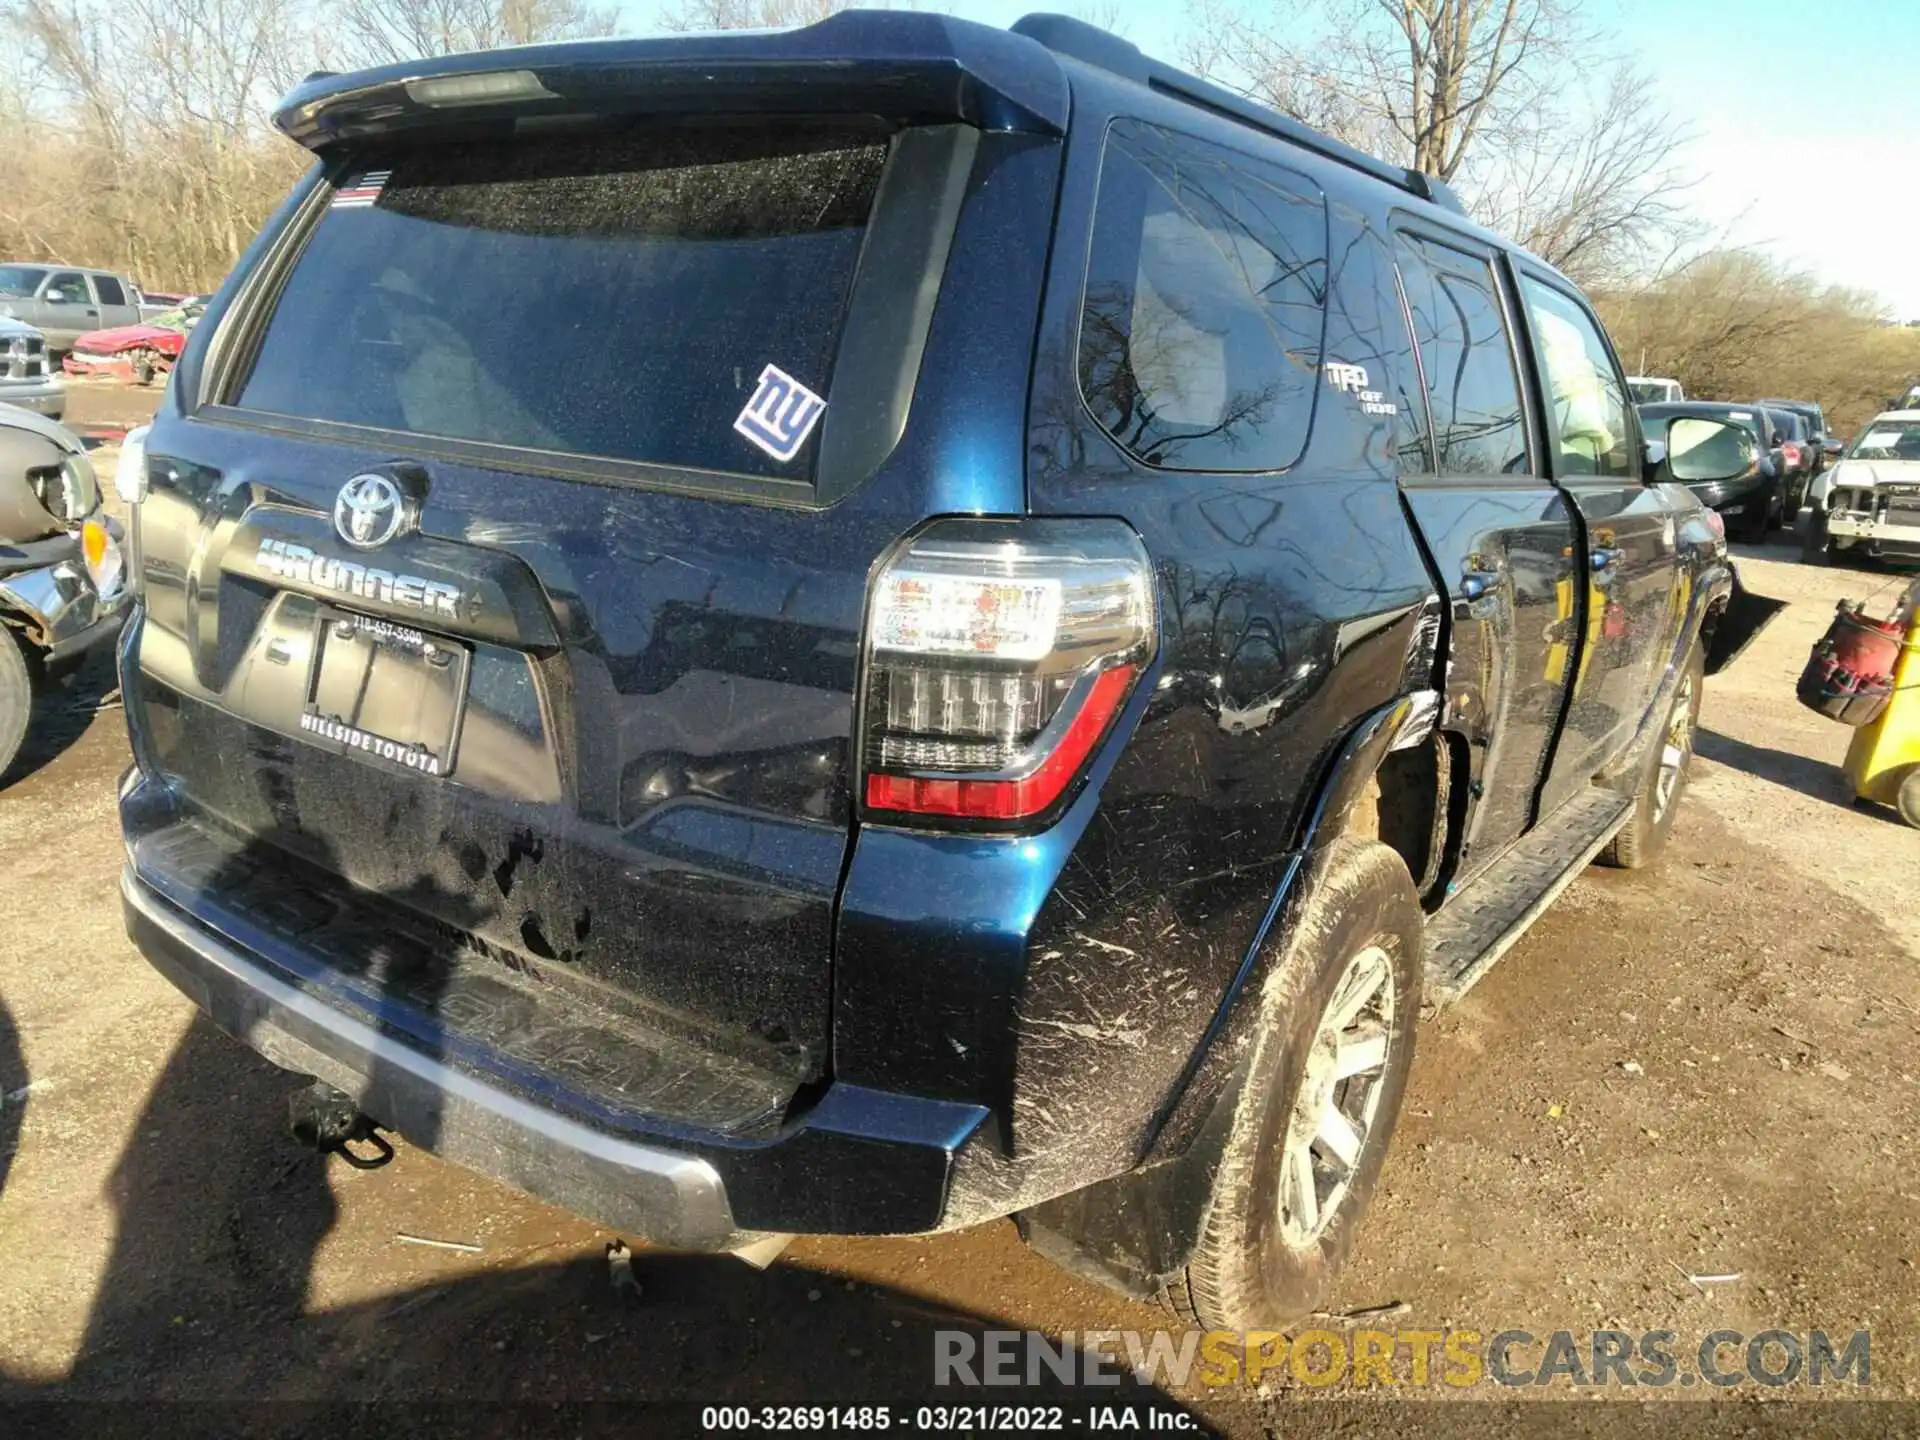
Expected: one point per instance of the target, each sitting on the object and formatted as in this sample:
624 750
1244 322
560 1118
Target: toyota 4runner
868 628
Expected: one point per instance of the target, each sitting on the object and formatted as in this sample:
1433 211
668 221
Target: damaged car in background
62 572
1869 503
138 354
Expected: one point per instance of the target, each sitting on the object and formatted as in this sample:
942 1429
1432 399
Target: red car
136 352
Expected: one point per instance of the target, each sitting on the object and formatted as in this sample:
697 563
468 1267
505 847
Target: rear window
620 296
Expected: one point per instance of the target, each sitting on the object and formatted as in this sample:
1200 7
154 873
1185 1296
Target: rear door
1631 578
116 306
1499 531
512 574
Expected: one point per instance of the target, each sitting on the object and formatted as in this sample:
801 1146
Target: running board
1480 923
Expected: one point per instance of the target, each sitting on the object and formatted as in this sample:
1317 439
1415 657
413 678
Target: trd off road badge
780 415
1353 379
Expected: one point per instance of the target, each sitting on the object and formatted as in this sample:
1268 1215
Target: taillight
999 653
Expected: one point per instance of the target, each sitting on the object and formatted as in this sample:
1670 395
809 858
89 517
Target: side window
1479 422
1200 329
1588 424
67 288
109 291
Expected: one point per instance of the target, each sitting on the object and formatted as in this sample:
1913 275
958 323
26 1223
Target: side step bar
1480 923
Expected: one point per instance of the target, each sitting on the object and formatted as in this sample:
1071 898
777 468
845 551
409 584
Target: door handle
1478 577
1604 557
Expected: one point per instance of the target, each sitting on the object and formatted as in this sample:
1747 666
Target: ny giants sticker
780 414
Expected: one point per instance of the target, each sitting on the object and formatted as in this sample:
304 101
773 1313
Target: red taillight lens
998 655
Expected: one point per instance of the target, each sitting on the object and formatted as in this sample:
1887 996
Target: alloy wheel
1339 1100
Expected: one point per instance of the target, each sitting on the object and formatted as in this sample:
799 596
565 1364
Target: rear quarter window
614 296
1201 324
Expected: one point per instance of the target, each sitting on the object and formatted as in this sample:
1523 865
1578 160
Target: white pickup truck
64 302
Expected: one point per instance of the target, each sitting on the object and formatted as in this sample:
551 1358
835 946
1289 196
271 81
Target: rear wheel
1323 1090
1663 777
16 696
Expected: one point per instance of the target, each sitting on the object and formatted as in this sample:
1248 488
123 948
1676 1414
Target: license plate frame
386 691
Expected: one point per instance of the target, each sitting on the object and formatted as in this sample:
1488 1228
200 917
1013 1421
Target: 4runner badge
284 560
1354 380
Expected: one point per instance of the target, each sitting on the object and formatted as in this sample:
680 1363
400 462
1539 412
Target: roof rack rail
1103 50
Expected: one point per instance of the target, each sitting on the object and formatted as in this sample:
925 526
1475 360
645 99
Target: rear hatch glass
616 296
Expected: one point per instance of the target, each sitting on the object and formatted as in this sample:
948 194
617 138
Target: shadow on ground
205 1296
1781 767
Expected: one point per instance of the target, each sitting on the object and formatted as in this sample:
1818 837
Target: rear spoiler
906 66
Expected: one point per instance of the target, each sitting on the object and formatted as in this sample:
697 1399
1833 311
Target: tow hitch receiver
328 1121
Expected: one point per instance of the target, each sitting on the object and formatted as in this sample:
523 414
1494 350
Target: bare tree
1502 98
1735 324
695 15
1587 178
142 141
376 32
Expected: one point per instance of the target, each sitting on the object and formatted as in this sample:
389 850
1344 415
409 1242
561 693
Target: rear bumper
862 1162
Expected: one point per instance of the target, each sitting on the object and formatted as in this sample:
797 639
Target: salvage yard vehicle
1652 390
138 353
1750 499
1869 502
28 376
63 586
1009 701
63 302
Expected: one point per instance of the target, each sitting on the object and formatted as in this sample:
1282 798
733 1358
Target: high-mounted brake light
488 87
998 655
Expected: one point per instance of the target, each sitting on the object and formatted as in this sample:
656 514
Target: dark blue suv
868 628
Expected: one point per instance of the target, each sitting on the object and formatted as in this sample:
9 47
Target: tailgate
512 582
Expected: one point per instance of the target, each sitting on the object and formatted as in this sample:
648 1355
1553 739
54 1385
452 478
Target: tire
1752 526
16 696
1255 1267
1816 545
1907 798
1657 799
142 367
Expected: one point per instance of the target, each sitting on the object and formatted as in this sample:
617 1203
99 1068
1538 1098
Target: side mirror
1653 454
1707 450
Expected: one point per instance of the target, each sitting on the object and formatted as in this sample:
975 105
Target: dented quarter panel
1100 957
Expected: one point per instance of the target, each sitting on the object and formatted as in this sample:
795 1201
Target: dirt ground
1710 1068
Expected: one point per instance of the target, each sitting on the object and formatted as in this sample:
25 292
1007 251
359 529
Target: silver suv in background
65 302
28 376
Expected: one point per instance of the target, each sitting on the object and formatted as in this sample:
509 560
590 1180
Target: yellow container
1884 757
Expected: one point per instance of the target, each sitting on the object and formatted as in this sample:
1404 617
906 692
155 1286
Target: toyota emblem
369 511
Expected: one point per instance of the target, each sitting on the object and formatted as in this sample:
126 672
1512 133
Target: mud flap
1746 615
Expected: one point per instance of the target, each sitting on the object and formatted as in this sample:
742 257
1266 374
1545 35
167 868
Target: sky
1804 115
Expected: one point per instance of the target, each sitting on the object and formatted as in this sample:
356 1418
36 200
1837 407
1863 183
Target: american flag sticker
360 190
